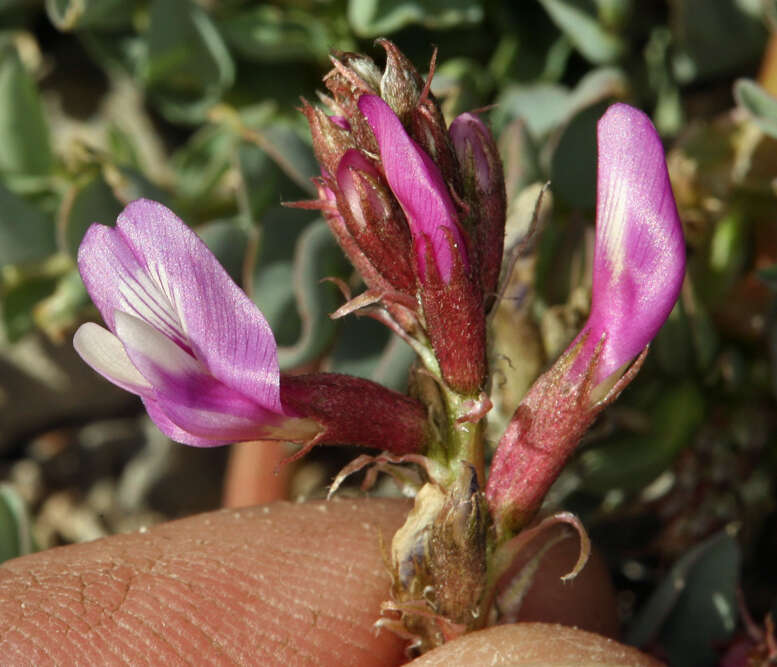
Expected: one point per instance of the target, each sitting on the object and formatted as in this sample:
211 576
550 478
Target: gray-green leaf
576 19
759 104
24 133
26 233
371 18
188 66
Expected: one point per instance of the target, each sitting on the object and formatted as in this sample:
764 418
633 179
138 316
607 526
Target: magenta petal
175 432
639 255
353 159
210 414
341 121
418 186
224 329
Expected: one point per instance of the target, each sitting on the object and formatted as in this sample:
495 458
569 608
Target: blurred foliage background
194 103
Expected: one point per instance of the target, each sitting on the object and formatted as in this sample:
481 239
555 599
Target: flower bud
400 85
483 186
331 136
375 220
418 186
452 301
327 202
639 263
401 217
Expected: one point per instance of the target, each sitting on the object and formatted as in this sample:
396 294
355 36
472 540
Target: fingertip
534 644
275 585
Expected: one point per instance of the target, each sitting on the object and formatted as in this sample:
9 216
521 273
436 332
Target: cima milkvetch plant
419 208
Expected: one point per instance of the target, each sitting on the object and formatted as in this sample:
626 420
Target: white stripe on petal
157 357
143 297
611 231
104 352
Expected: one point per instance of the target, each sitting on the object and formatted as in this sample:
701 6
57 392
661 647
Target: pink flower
182 335
199 353
639 264
639 255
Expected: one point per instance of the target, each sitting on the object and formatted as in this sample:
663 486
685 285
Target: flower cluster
419 208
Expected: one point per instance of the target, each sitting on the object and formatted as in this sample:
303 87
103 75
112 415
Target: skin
280 584
255 474
535 644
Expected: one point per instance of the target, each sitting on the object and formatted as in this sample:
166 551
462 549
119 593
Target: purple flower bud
477 152
375 221
484 187
331 136
418 186
639 263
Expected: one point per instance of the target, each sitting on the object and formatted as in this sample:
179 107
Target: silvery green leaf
267 33
573 166
759 104
295 256
371 18
769 276
462 84
69 15
317 256
91 200
577 19
366 348
631 462
26 232
18 302
24 132
200 166
541 106
293 155
188 67
712 38
57 314
694 610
